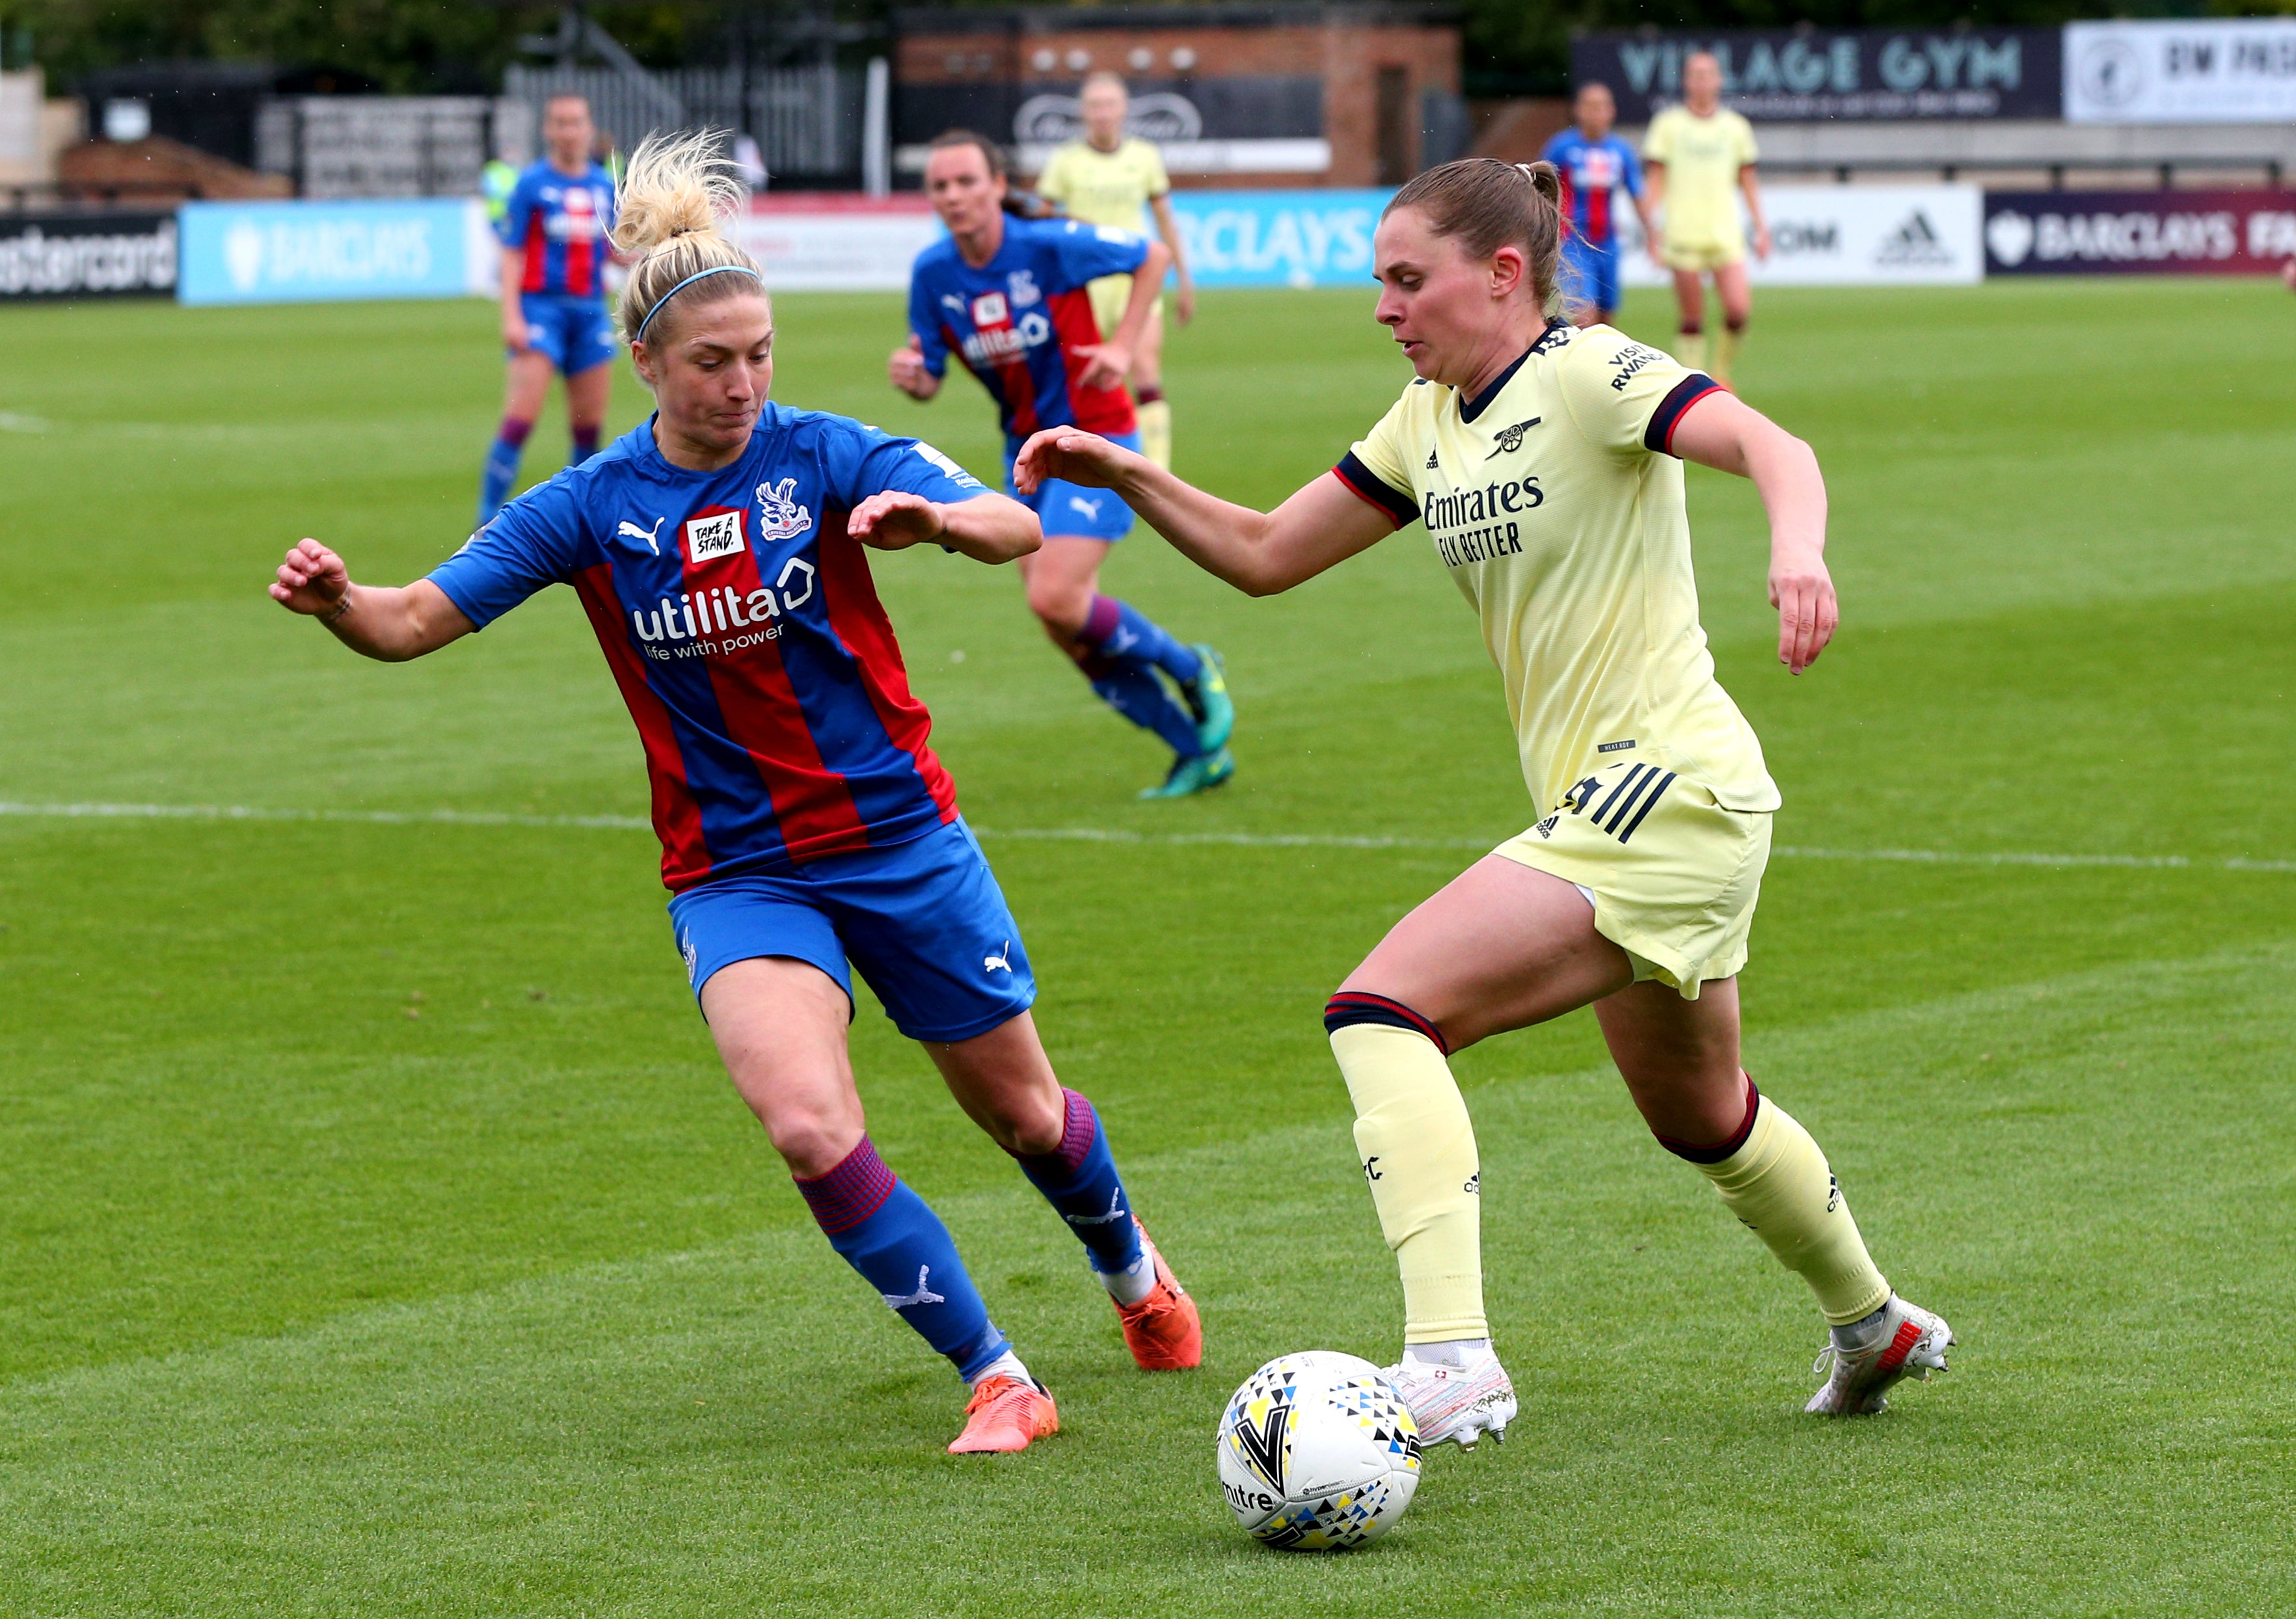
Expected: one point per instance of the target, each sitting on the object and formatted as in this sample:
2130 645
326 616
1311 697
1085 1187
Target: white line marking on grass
14 421
241 812
1119 835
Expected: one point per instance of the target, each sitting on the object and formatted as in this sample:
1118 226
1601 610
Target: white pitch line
1117 835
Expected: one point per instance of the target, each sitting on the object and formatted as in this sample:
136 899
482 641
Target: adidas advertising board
1848 236
2227 233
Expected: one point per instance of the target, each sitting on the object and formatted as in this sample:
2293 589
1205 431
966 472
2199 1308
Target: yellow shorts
1674 874
1109 294
1696 255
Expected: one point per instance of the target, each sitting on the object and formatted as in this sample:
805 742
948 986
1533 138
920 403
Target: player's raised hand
312 580
1071 455
894 519
1106 363
1803 592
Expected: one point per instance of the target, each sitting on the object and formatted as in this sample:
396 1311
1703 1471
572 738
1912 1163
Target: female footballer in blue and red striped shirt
1012 298
1596 165
556 239
807 827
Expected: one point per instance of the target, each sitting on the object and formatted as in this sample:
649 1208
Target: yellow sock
1778 1184
1418 1151
1725 354
1156 431
1690 348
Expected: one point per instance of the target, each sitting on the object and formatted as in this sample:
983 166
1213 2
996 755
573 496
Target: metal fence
336 146
808 121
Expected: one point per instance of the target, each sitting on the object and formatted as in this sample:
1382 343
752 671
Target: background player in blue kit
1596 165
805 822
1012 298
555 229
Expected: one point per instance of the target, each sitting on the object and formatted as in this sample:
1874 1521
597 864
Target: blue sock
1123 634
892 1236
502 466
585 446
1078 1179
1144 699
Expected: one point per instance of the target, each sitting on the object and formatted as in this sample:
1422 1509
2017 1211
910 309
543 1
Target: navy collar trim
1468 409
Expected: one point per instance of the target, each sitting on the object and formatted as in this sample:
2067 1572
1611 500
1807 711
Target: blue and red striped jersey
1591 171
560 221
1018 321
743 629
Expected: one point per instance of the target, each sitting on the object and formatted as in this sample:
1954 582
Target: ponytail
1486 204
668 211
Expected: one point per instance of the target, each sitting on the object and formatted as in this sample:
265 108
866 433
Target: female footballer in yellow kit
1107 178
1544 460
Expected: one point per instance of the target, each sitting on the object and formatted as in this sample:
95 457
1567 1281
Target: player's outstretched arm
905 370
1108 363
391 623
1259 552
989 527
1724 432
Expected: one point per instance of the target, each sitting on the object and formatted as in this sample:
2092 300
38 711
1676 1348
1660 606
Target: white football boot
1906 1341
1458 1404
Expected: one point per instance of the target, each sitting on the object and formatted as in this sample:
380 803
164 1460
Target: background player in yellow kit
1114 179
1544 460
1700 157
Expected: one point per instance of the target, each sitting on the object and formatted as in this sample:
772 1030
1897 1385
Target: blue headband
682 286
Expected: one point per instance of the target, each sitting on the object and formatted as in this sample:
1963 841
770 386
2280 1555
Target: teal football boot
1199 773
1208 700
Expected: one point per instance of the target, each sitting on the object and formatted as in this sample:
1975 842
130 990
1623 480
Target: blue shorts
1590 274
923 920
1074 510
575 334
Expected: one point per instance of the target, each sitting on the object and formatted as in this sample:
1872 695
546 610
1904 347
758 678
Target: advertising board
113 254
1791 74
2228 233
1848 236
2233 70
297 252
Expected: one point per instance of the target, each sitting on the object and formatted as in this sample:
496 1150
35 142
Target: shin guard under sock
1689 348
892 1236
1417 1147
1122 633
501 470
1078 1179
1777 1181
1155 414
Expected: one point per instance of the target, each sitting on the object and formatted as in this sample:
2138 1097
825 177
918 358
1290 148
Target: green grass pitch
378 1236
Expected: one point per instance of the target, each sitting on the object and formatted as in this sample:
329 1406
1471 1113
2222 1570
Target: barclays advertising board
1280 238
303 252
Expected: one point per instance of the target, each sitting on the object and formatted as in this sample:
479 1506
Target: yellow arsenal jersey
1702 158
1553 501
1110 188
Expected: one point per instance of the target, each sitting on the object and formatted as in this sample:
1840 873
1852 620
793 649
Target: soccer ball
1317 1452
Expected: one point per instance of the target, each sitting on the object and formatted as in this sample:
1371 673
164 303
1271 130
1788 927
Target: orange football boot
1006 1414
1162 1330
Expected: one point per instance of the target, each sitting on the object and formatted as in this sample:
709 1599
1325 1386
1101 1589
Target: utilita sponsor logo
712 623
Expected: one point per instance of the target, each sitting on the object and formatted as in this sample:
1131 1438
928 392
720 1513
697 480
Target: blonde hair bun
669 211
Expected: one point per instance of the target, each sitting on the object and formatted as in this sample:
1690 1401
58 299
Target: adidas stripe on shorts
1674 874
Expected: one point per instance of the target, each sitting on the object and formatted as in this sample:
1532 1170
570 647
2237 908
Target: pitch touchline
1094 834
